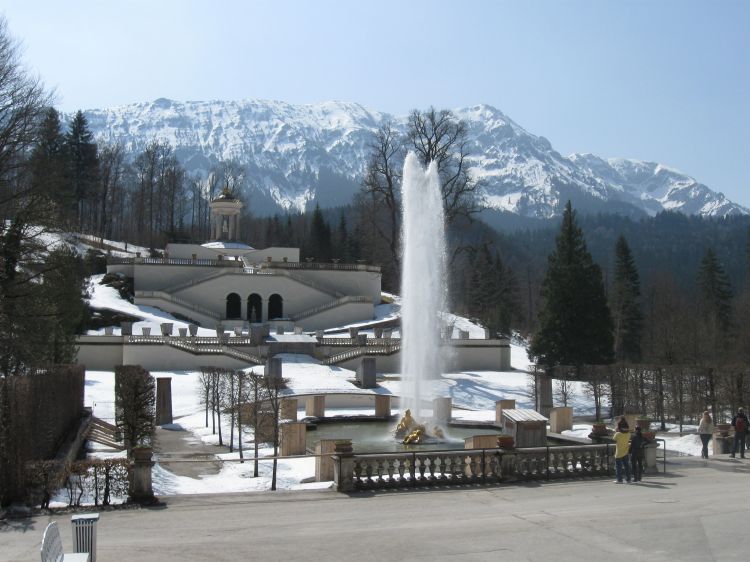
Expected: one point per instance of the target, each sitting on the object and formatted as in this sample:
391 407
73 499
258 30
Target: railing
179 302
174 261
472 466
321 266
327 306
358 352
352 342
202 346
308 282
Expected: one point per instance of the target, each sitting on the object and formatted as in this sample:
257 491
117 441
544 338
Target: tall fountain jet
423 282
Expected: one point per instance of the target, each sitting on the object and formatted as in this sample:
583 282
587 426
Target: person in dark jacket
637 442
740 425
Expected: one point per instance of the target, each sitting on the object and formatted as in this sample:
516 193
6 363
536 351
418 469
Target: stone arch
275 307
255 308
234 307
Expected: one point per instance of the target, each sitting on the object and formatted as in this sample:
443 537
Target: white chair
52 549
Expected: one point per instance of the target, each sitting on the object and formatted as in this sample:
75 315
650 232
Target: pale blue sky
667 81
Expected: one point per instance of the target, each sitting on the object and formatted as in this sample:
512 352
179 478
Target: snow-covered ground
474 394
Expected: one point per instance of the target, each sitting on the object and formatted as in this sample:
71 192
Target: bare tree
437 136
381 188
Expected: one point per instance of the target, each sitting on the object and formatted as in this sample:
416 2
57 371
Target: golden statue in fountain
413 433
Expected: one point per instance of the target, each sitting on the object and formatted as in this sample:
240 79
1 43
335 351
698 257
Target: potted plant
599 427
505 441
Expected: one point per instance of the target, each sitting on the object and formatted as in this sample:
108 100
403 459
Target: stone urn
723 429
142 453
343 446
649 435
505 441
643 423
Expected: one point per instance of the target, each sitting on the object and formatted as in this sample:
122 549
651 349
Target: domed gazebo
225 216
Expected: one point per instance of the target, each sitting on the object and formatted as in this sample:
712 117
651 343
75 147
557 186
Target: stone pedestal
163 400
343 465
544 401
141 489
501 405
288 409
378 333
382 406
560 419
316 406
481 442
366 377
293 438
442 410
257 333
353 333
324 464
649 455
722 444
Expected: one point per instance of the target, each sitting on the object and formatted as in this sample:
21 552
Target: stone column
288 409
382 406
141 489
324 464
237 225
316 406
343 466
273 368
442 410
163 400
501 405
293 438
560 419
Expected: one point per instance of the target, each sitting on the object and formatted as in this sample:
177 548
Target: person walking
705 430
740 425
622 448
637 443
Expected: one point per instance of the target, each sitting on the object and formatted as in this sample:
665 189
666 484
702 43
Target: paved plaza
697 511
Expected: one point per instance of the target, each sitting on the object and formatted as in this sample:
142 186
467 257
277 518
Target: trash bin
84 533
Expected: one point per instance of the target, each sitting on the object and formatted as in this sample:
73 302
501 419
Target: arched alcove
275 307
254 308
234 306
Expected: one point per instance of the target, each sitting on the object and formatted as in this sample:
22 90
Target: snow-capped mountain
297 154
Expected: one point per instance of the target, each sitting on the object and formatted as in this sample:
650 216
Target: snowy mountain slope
297 153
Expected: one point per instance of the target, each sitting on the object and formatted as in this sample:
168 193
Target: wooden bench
52 549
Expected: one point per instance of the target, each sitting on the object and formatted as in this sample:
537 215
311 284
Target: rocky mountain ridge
296 155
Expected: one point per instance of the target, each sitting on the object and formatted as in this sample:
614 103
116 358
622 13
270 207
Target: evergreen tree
508 296
715 301
47 163
625 304
320 236
83 167
574 325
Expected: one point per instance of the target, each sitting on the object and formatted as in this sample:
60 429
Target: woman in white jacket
705 430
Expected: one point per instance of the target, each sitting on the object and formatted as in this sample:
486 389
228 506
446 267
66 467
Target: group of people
740 423
629 451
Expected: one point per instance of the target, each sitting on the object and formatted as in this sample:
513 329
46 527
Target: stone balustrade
455 467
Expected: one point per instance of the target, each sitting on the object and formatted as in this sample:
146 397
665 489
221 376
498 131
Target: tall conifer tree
575 326
626 308
83 165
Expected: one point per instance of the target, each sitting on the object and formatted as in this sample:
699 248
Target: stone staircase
105 434
328 306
